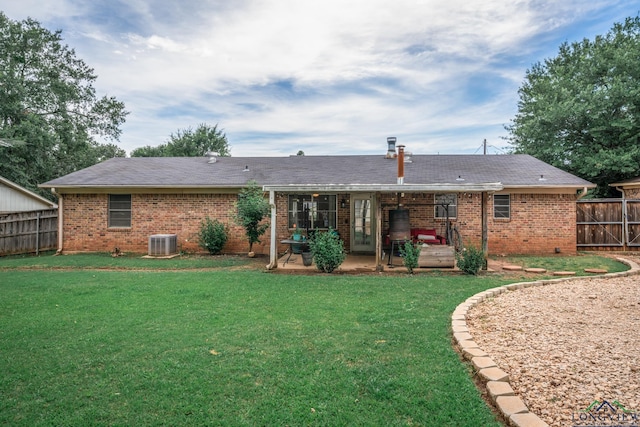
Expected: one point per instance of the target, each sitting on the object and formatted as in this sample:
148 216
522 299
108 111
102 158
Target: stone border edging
497 381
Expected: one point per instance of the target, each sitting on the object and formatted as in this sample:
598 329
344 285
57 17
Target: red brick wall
539 223
632 193
85 222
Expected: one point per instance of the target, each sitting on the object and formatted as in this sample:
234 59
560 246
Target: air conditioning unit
163 244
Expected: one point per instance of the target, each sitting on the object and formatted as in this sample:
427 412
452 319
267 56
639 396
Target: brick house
508 204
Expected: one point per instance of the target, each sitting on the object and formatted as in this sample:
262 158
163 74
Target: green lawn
227 346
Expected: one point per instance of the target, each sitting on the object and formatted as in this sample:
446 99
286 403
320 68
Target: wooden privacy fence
608 223
25 232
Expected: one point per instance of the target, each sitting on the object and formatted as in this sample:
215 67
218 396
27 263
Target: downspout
485 228
273 248
584 193
60 219
379 260
625 224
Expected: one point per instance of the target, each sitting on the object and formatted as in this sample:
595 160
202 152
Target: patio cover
365 188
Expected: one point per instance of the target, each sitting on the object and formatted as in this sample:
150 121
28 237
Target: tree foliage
470 260
49 111
189 143
410 255
212 235
252 209
328 250
580 110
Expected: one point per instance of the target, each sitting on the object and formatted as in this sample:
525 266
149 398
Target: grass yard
229 346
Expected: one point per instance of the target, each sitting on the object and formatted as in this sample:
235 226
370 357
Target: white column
273 247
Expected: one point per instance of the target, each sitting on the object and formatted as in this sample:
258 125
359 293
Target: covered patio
375 259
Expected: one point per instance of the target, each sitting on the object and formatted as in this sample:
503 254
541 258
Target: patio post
379 260
273 247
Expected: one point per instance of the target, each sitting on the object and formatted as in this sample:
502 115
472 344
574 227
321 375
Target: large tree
189 143
580 111
49 111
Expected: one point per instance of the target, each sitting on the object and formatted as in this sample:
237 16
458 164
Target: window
444 203
312 211
119 210
501 206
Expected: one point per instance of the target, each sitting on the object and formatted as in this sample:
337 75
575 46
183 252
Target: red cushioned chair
427 236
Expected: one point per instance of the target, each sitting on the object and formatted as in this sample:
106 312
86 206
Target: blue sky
325 77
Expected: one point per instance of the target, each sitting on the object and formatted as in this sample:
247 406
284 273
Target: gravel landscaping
565 345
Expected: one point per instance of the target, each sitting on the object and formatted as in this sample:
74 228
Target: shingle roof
510 170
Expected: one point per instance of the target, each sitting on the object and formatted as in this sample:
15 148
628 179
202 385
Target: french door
363 238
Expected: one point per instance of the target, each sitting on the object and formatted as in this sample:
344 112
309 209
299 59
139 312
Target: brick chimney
400 164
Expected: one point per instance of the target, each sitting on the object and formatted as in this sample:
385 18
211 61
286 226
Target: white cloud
330 75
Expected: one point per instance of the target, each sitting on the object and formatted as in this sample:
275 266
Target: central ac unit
163 244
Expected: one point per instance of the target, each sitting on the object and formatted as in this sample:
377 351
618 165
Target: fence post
38 234
625 225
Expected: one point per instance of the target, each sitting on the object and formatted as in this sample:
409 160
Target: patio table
291 242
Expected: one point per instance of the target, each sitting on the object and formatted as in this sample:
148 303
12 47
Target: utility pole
485 146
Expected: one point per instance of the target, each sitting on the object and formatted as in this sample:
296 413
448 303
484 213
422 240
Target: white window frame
314 202
499 207
119 211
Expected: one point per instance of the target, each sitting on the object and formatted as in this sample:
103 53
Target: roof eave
385 188
555 187
86 189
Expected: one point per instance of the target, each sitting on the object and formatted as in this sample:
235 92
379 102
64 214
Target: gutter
392 188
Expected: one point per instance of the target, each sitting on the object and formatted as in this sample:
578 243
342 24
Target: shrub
328 250
470 260
212 235
410 254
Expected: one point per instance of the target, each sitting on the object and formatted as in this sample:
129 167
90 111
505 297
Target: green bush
470 260
328 250
410 254
212 235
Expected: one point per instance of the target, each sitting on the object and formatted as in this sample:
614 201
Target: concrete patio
354 263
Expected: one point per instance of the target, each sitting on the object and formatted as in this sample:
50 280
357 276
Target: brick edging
497 381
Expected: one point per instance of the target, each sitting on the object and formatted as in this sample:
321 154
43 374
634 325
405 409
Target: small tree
328 250
410 254
212 236
252 209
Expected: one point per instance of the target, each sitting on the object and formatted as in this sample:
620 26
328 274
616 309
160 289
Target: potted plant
307 256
